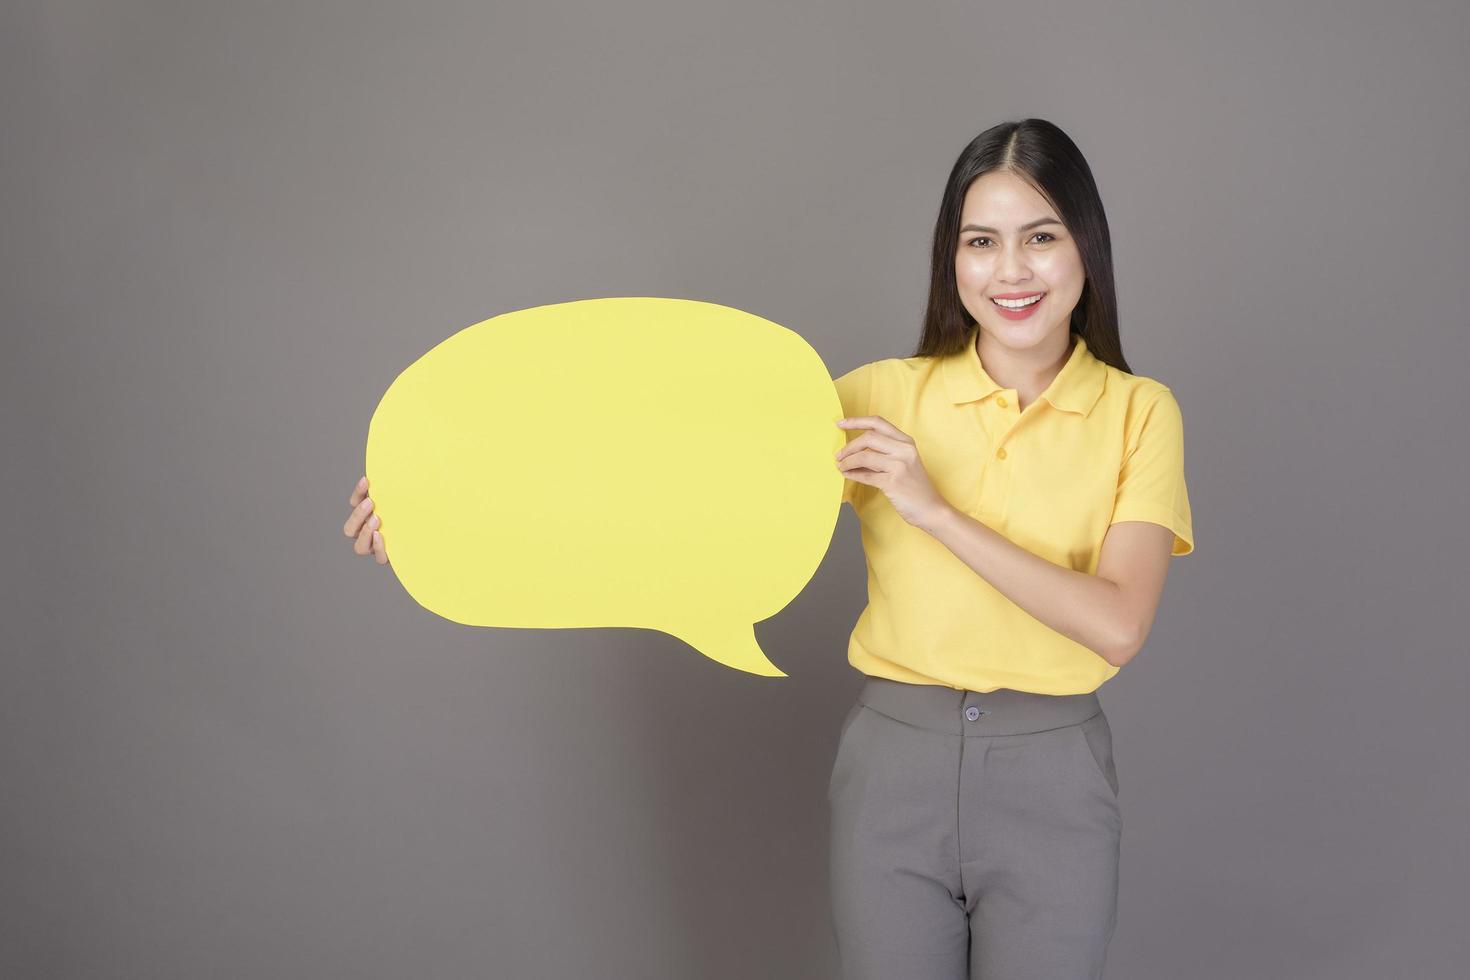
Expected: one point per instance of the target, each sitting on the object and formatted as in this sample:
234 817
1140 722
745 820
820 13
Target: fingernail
373 521
367 503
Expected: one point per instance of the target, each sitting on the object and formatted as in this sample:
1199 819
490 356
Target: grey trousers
973 835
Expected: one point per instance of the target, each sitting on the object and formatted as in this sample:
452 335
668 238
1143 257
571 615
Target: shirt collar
1076 387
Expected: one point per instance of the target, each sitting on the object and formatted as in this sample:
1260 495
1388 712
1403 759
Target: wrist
940 519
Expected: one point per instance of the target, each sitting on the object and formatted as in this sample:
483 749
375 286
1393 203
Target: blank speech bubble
630 461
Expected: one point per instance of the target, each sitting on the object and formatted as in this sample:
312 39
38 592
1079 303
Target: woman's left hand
885 457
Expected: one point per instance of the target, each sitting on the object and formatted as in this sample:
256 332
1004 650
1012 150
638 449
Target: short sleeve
855 388
1151 481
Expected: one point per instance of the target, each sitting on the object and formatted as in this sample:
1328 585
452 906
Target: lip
1024 312
1037 292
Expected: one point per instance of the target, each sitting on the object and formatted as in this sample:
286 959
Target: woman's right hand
362 526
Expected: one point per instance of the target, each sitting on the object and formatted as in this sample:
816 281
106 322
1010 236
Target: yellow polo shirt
1098 446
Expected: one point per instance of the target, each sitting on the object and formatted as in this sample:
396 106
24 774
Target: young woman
1020 492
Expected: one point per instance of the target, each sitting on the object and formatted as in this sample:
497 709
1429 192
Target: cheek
1062 270
969 272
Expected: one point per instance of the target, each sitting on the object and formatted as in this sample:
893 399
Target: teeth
1017 304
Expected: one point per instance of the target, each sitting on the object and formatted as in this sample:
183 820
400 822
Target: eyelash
1046 233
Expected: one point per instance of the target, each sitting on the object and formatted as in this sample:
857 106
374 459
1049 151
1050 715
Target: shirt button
1001 402
1001 453
972 712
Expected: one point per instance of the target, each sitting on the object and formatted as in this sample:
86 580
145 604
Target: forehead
1002 198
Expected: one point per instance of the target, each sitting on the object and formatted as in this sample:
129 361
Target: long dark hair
1041 154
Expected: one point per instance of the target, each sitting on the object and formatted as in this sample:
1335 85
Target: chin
1022 335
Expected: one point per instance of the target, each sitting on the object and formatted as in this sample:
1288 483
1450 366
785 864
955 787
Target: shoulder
901 389
1144 412
1136 410
903 373
1136 396
893 366
885 375
1134 388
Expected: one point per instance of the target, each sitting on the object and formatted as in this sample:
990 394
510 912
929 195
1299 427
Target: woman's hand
362 527
886 458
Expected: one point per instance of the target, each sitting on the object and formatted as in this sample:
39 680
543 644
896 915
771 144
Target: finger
364 543
871 439
358 492
359 514
868 459
878 424
860 475
380 553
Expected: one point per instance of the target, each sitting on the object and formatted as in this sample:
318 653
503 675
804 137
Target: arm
1110 613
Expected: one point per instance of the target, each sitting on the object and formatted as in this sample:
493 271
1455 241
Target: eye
1040 234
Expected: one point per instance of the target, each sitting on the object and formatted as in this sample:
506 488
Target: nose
1012 266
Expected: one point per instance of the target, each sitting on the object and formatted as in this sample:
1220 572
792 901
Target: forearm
1086 608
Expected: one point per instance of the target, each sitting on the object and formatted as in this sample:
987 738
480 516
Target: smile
1018 304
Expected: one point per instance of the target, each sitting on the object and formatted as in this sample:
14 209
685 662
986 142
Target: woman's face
1012 242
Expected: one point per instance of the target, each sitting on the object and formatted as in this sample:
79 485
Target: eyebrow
1035 224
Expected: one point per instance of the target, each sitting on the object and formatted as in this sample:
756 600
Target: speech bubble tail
735 648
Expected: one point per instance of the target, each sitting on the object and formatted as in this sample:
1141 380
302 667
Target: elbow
1125 645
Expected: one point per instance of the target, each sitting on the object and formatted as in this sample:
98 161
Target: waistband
999 712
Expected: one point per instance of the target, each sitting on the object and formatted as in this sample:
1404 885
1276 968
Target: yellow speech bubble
628 461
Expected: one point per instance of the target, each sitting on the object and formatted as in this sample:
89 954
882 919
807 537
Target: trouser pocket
1096 736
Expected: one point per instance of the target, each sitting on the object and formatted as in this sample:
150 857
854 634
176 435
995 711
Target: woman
1020 493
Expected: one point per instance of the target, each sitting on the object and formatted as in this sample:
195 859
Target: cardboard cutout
630 461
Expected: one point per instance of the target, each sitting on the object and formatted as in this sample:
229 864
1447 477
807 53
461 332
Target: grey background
231 748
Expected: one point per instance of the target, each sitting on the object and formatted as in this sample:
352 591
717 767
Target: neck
1028 372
